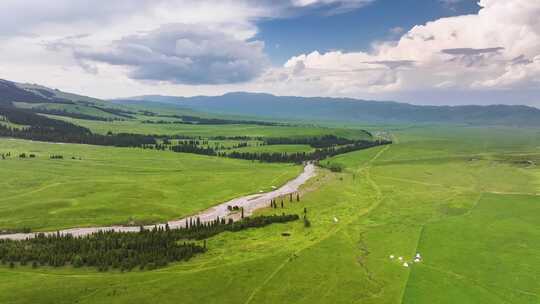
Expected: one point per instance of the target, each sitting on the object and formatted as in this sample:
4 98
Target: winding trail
250 203
330 232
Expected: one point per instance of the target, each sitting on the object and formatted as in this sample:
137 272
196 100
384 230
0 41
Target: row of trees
189 119
192 146
315 142
5 155
102 250
300 157
193 149
117 112
146 249
70 114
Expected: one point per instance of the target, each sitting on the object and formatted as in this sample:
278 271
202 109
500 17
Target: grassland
137 126
457 195
489 255
104 185
69 108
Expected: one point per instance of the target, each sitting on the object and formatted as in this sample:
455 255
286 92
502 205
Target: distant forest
330 146
196 120
42 128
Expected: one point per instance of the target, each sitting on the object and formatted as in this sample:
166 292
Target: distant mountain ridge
266 106
40 99
348 109
33 93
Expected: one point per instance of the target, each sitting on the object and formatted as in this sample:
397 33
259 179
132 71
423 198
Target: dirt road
250 203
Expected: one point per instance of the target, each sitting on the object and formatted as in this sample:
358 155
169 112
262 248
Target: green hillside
348 110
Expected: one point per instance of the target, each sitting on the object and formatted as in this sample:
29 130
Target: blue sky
418 51
354 30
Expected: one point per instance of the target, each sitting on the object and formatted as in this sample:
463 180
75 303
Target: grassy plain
119 185
137 126
456 195
488 255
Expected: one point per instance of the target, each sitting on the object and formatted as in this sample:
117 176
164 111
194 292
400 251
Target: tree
77 261
307 223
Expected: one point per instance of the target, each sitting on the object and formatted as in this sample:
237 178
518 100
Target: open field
489 255
116 186
136 126
436 196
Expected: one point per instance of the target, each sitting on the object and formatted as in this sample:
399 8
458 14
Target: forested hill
50 101
10 92
43 100
350 110
29 123
33 93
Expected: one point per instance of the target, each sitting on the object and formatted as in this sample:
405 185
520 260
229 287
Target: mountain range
270 107
346 109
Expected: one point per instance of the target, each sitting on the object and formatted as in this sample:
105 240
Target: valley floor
442 192
99 186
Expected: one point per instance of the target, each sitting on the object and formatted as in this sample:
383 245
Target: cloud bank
185 47
497 49
183 54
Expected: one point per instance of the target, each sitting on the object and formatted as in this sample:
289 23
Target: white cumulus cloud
179 53
496 49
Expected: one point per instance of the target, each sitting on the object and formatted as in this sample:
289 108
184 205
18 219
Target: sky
419 51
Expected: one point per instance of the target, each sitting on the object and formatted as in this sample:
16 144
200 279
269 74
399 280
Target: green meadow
139 127
466 198
103 185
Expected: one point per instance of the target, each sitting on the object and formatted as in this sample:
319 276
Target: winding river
250 203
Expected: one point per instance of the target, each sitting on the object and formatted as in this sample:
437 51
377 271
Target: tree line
62 112
43 128
275 157
65 113
189 119
324 141
300 157
146 249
